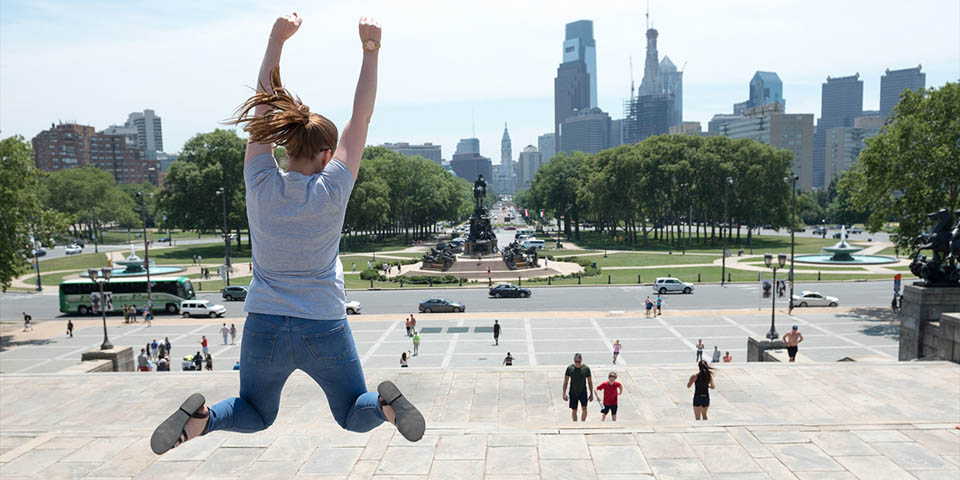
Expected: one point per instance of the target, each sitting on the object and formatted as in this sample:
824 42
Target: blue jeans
274 346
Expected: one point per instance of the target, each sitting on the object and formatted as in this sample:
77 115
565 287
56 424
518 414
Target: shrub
425 279
372 274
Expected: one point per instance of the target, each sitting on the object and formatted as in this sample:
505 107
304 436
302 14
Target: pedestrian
126 313
250 267
162 350
578 378
203 343
893 304
233 334
166 341
143 363
354 267
727 358
413 322
224 331
133 313
209 362
403 360
659 304
295 218
793 339
716 355
154 349
699 349
70 327
616 350
611 389
546 262
416 343
163 365
368 264
148 317
649 306
194 259
407 323
701 394
200 259
236 366
26 322
198 362
496 332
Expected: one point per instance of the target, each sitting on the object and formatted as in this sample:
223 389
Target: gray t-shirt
295 222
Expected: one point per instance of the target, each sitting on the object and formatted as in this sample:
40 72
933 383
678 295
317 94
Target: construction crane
631 77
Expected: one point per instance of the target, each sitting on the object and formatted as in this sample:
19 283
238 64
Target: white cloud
96 62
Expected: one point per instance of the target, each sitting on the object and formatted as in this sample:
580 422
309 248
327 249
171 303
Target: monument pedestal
930 323
757 347
120 357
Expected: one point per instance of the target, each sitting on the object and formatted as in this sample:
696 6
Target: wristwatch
371 45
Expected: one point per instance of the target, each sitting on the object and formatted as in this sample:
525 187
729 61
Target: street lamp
793 218
96 276
723 256
226 236
146 250
823 228
683 245
768 261
169 234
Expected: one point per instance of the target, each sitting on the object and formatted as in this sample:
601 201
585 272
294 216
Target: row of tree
649 189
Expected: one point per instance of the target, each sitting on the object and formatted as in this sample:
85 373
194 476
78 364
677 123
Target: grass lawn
52 279
359 244
215 284
121 236
761 244
74 262
647 259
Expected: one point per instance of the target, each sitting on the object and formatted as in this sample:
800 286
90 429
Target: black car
235 292
509 290
440 305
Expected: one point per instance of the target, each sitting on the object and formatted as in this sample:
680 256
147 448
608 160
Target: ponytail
705 371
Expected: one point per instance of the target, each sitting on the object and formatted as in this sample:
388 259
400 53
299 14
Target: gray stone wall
929 328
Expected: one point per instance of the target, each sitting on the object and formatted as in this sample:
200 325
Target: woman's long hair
706 372
287 122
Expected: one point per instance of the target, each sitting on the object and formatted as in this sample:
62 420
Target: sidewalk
767 421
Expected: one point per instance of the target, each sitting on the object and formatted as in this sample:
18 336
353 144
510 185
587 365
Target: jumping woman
701 394
296 318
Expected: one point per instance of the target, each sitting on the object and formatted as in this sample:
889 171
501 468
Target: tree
912 167
89 196
22 214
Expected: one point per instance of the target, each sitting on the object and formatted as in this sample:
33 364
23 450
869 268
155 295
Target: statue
515 253
943 269
442 259
479 191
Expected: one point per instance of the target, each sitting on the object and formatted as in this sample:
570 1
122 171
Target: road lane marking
380 341
606 340
841 337
528 330
451 347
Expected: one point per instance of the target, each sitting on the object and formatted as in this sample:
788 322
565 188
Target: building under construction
658 104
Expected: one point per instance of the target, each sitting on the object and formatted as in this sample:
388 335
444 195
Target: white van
201 308
533 242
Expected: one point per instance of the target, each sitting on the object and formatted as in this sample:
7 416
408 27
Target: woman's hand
285 27
369 30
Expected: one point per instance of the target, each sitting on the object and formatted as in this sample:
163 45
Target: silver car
669 284
814 299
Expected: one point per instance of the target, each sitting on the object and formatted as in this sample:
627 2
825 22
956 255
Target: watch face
370 45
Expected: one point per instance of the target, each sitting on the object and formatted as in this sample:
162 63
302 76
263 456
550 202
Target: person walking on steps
610 389
578 378
659 305
203 345
416 343
224 331
233 334
70 328
295 302
616 350
508 360
793 339
701 394
496 332
699 349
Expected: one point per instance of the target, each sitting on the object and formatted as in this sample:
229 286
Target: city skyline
195 81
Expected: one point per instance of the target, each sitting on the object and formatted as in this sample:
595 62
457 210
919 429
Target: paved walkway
780 421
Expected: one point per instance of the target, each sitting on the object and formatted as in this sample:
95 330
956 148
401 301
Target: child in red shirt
610 390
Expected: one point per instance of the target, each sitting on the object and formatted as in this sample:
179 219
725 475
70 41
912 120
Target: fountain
134 266
842 253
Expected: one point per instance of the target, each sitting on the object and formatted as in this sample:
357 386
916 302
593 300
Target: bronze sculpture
943 268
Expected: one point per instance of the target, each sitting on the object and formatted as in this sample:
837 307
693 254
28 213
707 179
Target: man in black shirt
578 377
496 332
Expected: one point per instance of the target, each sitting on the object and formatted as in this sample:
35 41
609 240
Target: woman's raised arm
354 137
283 29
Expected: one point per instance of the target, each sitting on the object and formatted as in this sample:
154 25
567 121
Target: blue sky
441 62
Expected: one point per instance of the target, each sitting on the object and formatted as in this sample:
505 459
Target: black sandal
172 432
409 420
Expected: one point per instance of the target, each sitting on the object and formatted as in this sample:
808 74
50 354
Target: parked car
234 292
40 252
819 230
440 305
163 239
509 290
73 249
836 235
855 230
353 307
669 284
814 299
201 308
534 243
510 227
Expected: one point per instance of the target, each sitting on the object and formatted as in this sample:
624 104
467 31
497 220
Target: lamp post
226 236
146 250
723 256
96 276
768 261
683 245
169 234
793 218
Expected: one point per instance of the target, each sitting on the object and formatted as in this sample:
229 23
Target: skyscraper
575 86
587 132
671 84
468 145
68 145
144 129
652 111
768 124
505 177
506 148
580 45
894 82
529 162
841 101
547 145
765 88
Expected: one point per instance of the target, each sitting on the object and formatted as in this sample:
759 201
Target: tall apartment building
142 129
792 132
529 162
841 101
894 82
547 145
844 144
587 132
426 150
68 145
